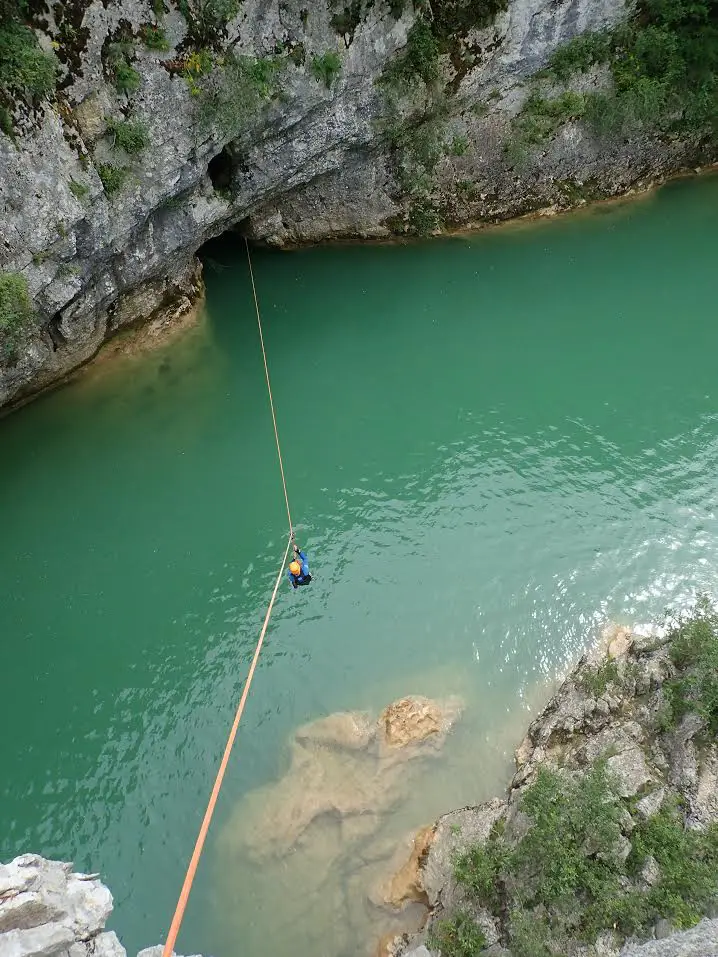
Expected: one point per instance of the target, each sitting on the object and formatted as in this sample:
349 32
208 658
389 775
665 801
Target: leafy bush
127 79
688 862
197 65
207 19
237 92
454 18
154 37
78 190
539 119
480 869
458 146
458 936
26 71
113 177
16 313
419 60
579 55
131 136
694 651
596 680
326 68
423 216
530 935
664 64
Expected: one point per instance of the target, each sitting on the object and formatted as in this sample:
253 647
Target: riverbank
608 835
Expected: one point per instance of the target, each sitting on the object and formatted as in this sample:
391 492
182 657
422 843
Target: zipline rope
269 389
207 820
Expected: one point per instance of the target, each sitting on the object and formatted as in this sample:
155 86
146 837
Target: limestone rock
313 163
454 832
414 720
618 639
699 941
406 885
631 770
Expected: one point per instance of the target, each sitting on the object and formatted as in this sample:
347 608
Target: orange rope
269 389
199 844
207 820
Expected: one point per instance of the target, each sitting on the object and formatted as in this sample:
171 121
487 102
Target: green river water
495 444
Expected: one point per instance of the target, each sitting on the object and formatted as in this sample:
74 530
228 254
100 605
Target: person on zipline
298 571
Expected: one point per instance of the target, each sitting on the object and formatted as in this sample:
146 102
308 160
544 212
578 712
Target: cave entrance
220 170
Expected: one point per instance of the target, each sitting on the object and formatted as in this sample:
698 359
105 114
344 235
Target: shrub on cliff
694 651
16 313
326 68
27 73
207 19
568 874
664 65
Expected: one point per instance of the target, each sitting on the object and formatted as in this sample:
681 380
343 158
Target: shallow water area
494 444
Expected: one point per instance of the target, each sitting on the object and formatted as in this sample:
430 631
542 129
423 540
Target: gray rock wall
311 164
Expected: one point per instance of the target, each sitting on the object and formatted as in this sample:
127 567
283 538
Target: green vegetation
418 149
579 55
419 61
131 136
688 862
540 118
197 65
458 146
113 177
126 78
694 651
25 69
347 18
154 37
454 18
564 881
424 218
326 67
595 681
236 90
78 190
16 313
457 936
207 19
664 66
27 73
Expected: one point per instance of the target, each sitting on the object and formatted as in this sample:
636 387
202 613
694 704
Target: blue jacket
299 579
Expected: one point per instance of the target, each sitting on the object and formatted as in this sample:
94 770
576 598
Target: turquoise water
495 444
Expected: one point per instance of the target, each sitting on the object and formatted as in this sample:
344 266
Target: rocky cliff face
49 910
609 831
172 123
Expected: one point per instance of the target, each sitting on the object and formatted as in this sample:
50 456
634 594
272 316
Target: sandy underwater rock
346 767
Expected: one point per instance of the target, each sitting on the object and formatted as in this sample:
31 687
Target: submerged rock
405 885
344 768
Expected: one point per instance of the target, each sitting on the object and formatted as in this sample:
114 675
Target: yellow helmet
295 568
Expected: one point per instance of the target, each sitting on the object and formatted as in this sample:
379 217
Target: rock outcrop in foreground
49 910
609 832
